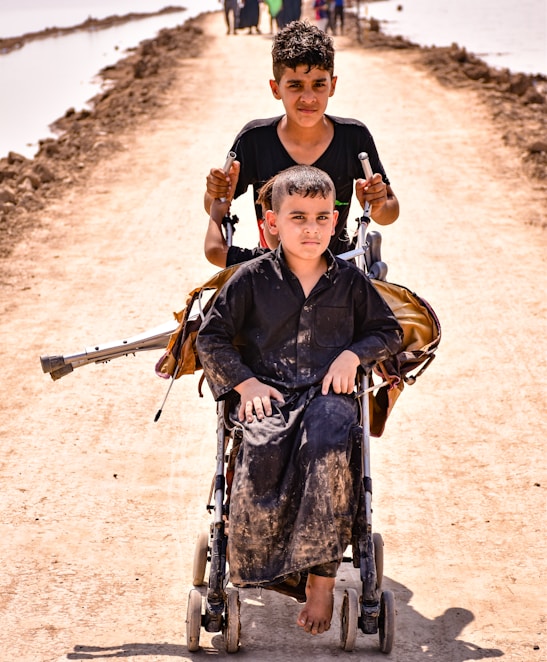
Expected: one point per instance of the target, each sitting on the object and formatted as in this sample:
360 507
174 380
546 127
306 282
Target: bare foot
316 615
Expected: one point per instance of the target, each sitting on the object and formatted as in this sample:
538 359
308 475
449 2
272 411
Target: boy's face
304 93
304 225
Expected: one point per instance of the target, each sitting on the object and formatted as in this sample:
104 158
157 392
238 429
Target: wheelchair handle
363 157
227 165
229 160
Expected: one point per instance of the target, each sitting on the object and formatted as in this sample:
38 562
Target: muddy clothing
294 494
262 156
293 499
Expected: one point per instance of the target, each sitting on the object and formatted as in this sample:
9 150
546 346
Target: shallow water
43 79
503 33
21 16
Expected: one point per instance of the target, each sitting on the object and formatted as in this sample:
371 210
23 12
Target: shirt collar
332 264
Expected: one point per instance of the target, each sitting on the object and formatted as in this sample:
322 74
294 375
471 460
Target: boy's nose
308 95
311 227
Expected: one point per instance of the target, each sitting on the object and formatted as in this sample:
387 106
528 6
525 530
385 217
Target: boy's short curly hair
299 43
304 180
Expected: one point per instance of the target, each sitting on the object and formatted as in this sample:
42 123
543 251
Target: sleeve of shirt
237 254
378 335
216 343
247 171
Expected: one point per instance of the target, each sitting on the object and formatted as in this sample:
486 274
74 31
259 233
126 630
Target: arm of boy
256 397
221 185
377 337
214 245
341 373
384 206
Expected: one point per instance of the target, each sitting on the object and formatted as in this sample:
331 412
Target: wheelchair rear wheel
232 625
378 544
193 621
201 552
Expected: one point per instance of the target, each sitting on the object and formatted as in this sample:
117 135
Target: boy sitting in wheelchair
282 344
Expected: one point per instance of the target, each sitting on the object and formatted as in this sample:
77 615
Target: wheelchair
372 609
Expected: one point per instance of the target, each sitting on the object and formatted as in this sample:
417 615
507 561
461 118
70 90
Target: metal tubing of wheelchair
370 598
361 241
215 602
219 488
365 450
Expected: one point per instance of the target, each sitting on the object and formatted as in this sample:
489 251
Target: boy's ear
271 221
335 216
333 85
275 89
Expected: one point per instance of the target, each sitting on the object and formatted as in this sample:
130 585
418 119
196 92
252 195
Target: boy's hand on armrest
341 374
256 397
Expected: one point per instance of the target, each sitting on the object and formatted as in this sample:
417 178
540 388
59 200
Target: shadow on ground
417 638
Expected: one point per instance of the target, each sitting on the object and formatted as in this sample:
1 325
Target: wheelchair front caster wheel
349 615
201 552
232 625
193 621
386 621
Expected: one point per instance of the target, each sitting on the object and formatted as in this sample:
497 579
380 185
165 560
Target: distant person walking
321 14
290 11
231 13
249 16
274 7
338 16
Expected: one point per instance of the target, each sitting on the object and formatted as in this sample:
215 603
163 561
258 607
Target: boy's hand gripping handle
229 221
227 165
363 157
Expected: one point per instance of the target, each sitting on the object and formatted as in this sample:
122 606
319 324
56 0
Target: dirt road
101 506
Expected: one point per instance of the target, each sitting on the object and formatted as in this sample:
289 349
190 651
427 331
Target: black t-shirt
237 254
262 156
